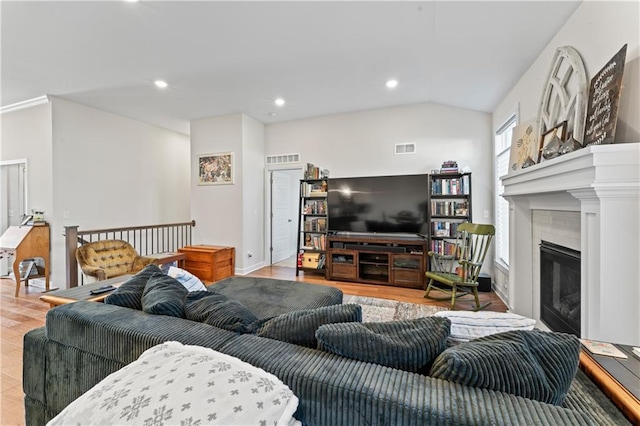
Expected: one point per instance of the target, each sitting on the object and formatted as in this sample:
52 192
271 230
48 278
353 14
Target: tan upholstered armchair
105 259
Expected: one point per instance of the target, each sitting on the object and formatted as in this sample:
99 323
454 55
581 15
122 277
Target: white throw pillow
187 279
467 325
175 384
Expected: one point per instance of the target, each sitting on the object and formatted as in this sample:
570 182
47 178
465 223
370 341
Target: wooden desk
25 242
74 294
618 378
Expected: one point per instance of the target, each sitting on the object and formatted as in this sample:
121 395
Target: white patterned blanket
175 384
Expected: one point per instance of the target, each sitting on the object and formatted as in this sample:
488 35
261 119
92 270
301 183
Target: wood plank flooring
26 312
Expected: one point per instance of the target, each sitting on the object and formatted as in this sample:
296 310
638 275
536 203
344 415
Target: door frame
267 200
5 210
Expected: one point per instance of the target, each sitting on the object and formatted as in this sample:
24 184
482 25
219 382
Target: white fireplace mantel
602 183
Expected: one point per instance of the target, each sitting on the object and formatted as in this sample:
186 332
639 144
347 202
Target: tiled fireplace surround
588 200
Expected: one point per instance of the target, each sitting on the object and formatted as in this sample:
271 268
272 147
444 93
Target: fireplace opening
560 288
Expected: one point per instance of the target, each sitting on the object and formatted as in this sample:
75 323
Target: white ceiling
229 57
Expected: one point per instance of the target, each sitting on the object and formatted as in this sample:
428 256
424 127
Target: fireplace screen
560 288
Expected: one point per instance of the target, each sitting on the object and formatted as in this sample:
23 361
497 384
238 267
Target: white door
284 196
13 195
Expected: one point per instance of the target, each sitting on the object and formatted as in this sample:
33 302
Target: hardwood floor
17 316
20 314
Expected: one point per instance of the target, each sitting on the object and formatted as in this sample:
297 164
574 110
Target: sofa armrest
140 262
93 271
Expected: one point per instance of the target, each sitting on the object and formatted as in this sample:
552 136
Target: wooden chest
209 263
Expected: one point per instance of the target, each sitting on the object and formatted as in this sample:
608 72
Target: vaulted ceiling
223 58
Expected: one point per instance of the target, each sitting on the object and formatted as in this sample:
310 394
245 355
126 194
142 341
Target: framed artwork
604 100
524 145
550 141
215 169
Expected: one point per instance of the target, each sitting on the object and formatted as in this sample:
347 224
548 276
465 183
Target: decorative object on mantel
528 162
551 142
564 97
604 98
524 144
569 145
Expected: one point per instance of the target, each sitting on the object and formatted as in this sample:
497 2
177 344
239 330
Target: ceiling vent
283 159
405 148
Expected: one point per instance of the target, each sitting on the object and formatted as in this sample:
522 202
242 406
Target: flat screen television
378 205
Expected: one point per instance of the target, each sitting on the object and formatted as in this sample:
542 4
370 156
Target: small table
74 294
619 378
168 257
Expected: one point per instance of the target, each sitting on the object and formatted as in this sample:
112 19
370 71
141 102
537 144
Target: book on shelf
315 225
603 348
449 208
450 186
315 207
314 242
315 172
449 167
315 189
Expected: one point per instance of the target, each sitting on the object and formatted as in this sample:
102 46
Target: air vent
405 148
283 158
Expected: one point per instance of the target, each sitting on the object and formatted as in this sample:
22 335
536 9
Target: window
503 147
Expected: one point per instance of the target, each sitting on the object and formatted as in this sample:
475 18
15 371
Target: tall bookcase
449 205
312 226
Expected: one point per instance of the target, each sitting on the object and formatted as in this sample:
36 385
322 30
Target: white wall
26 134
253 190
597 30
220 210
362 144
111 171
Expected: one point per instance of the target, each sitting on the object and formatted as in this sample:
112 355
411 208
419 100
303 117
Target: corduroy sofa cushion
533 364
299 327
164 295
407 345
129 294
218 310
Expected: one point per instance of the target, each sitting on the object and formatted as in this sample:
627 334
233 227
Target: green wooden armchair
460 268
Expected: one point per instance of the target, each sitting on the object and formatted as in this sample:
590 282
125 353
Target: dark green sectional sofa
84 342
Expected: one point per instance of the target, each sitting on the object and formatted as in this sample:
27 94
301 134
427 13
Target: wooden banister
147 239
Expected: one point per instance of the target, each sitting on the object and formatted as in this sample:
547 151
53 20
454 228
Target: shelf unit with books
449 205
312 226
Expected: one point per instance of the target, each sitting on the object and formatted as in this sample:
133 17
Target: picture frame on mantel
524 145
555 135
215 169
604 99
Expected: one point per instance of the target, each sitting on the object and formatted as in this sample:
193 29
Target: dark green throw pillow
533 364
218 310
164 295
129 294
299 327
406 345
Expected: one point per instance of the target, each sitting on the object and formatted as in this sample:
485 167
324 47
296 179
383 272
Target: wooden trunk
209 263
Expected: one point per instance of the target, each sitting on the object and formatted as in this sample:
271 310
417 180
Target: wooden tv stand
392 261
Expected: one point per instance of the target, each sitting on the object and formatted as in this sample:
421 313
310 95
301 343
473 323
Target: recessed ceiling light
391 84
279 102
273 114
161 84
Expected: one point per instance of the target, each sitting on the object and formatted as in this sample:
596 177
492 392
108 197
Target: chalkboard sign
604 97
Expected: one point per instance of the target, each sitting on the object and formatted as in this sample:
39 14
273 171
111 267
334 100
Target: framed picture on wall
215 169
